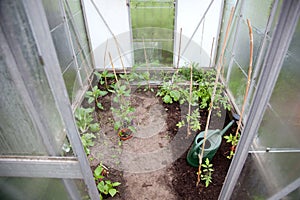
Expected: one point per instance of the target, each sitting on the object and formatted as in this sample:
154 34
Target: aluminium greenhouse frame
77 167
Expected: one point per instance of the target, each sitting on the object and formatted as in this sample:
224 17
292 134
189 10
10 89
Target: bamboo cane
249 77
113 67
190 101
213 94
147 67
179 49
211 51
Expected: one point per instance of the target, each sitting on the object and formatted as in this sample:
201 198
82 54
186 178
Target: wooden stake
147 67
113 67
249 77
179 48
191 94
220 63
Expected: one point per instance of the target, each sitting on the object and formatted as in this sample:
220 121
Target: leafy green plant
193 119
103 77
108 187
170 91
86 128
104 186
234 140
87 141
98 173
207 169
94 95
203 89
123 111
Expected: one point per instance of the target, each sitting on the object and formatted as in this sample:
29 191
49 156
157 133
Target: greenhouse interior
150 99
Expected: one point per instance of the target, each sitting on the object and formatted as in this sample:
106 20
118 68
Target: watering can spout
236 117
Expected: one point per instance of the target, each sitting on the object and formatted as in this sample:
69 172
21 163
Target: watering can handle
199 144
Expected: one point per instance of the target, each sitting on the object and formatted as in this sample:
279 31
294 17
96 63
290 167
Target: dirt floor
152 165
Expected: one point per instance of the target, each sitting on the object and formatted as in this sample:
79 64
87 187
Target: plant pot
125 134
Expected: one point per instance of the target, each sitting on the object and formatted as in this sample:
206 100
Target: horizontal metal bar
276 150
40 167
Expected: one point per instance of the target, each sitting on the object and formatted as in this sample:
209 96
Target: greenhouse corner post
283 33
37 17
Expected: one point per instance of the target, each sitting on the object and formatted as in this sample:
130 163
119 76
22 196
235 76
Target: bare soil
152 165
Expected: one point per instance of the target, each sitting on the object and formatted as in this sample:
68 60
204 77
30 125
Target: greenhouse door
152 23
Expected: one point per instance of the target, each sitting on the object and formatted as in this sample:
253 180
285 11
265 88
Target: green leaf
102 93
94 127
115 184
90 100
112 192
167 99
175 95
98 171
89 93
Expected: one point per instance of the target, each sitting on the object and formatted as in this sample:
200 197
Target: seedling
207 172
107 187
234 140
94 95
103 77
86 127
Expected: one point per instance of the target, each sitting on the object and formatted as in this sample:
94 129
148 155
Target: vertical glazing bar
39 25
280 42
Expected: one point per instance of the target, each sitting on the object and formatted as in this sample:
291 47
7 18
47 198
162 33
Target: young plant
194 121
171 92
94 95
123 111
108 187
207 169
86 128
103 77
104 186
233 140
87 141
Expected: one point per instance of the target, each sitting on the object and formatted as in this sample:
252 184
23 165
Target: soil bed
159 177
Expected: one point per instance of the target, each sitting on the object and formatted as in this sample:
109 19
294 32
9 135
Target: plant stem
146 60
249 78
190 100
220 63
113 67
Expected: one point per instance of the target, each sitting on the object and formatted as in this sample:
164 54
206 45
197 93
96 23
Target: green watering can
212 144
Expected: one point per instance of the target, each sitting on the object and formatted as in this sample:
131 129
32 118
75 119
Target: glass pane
35 109
53 13
258 14
153 22
18 134
62 46
237 84
39 188
78 18
242 50
281 123
70 78
75 5
265 174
